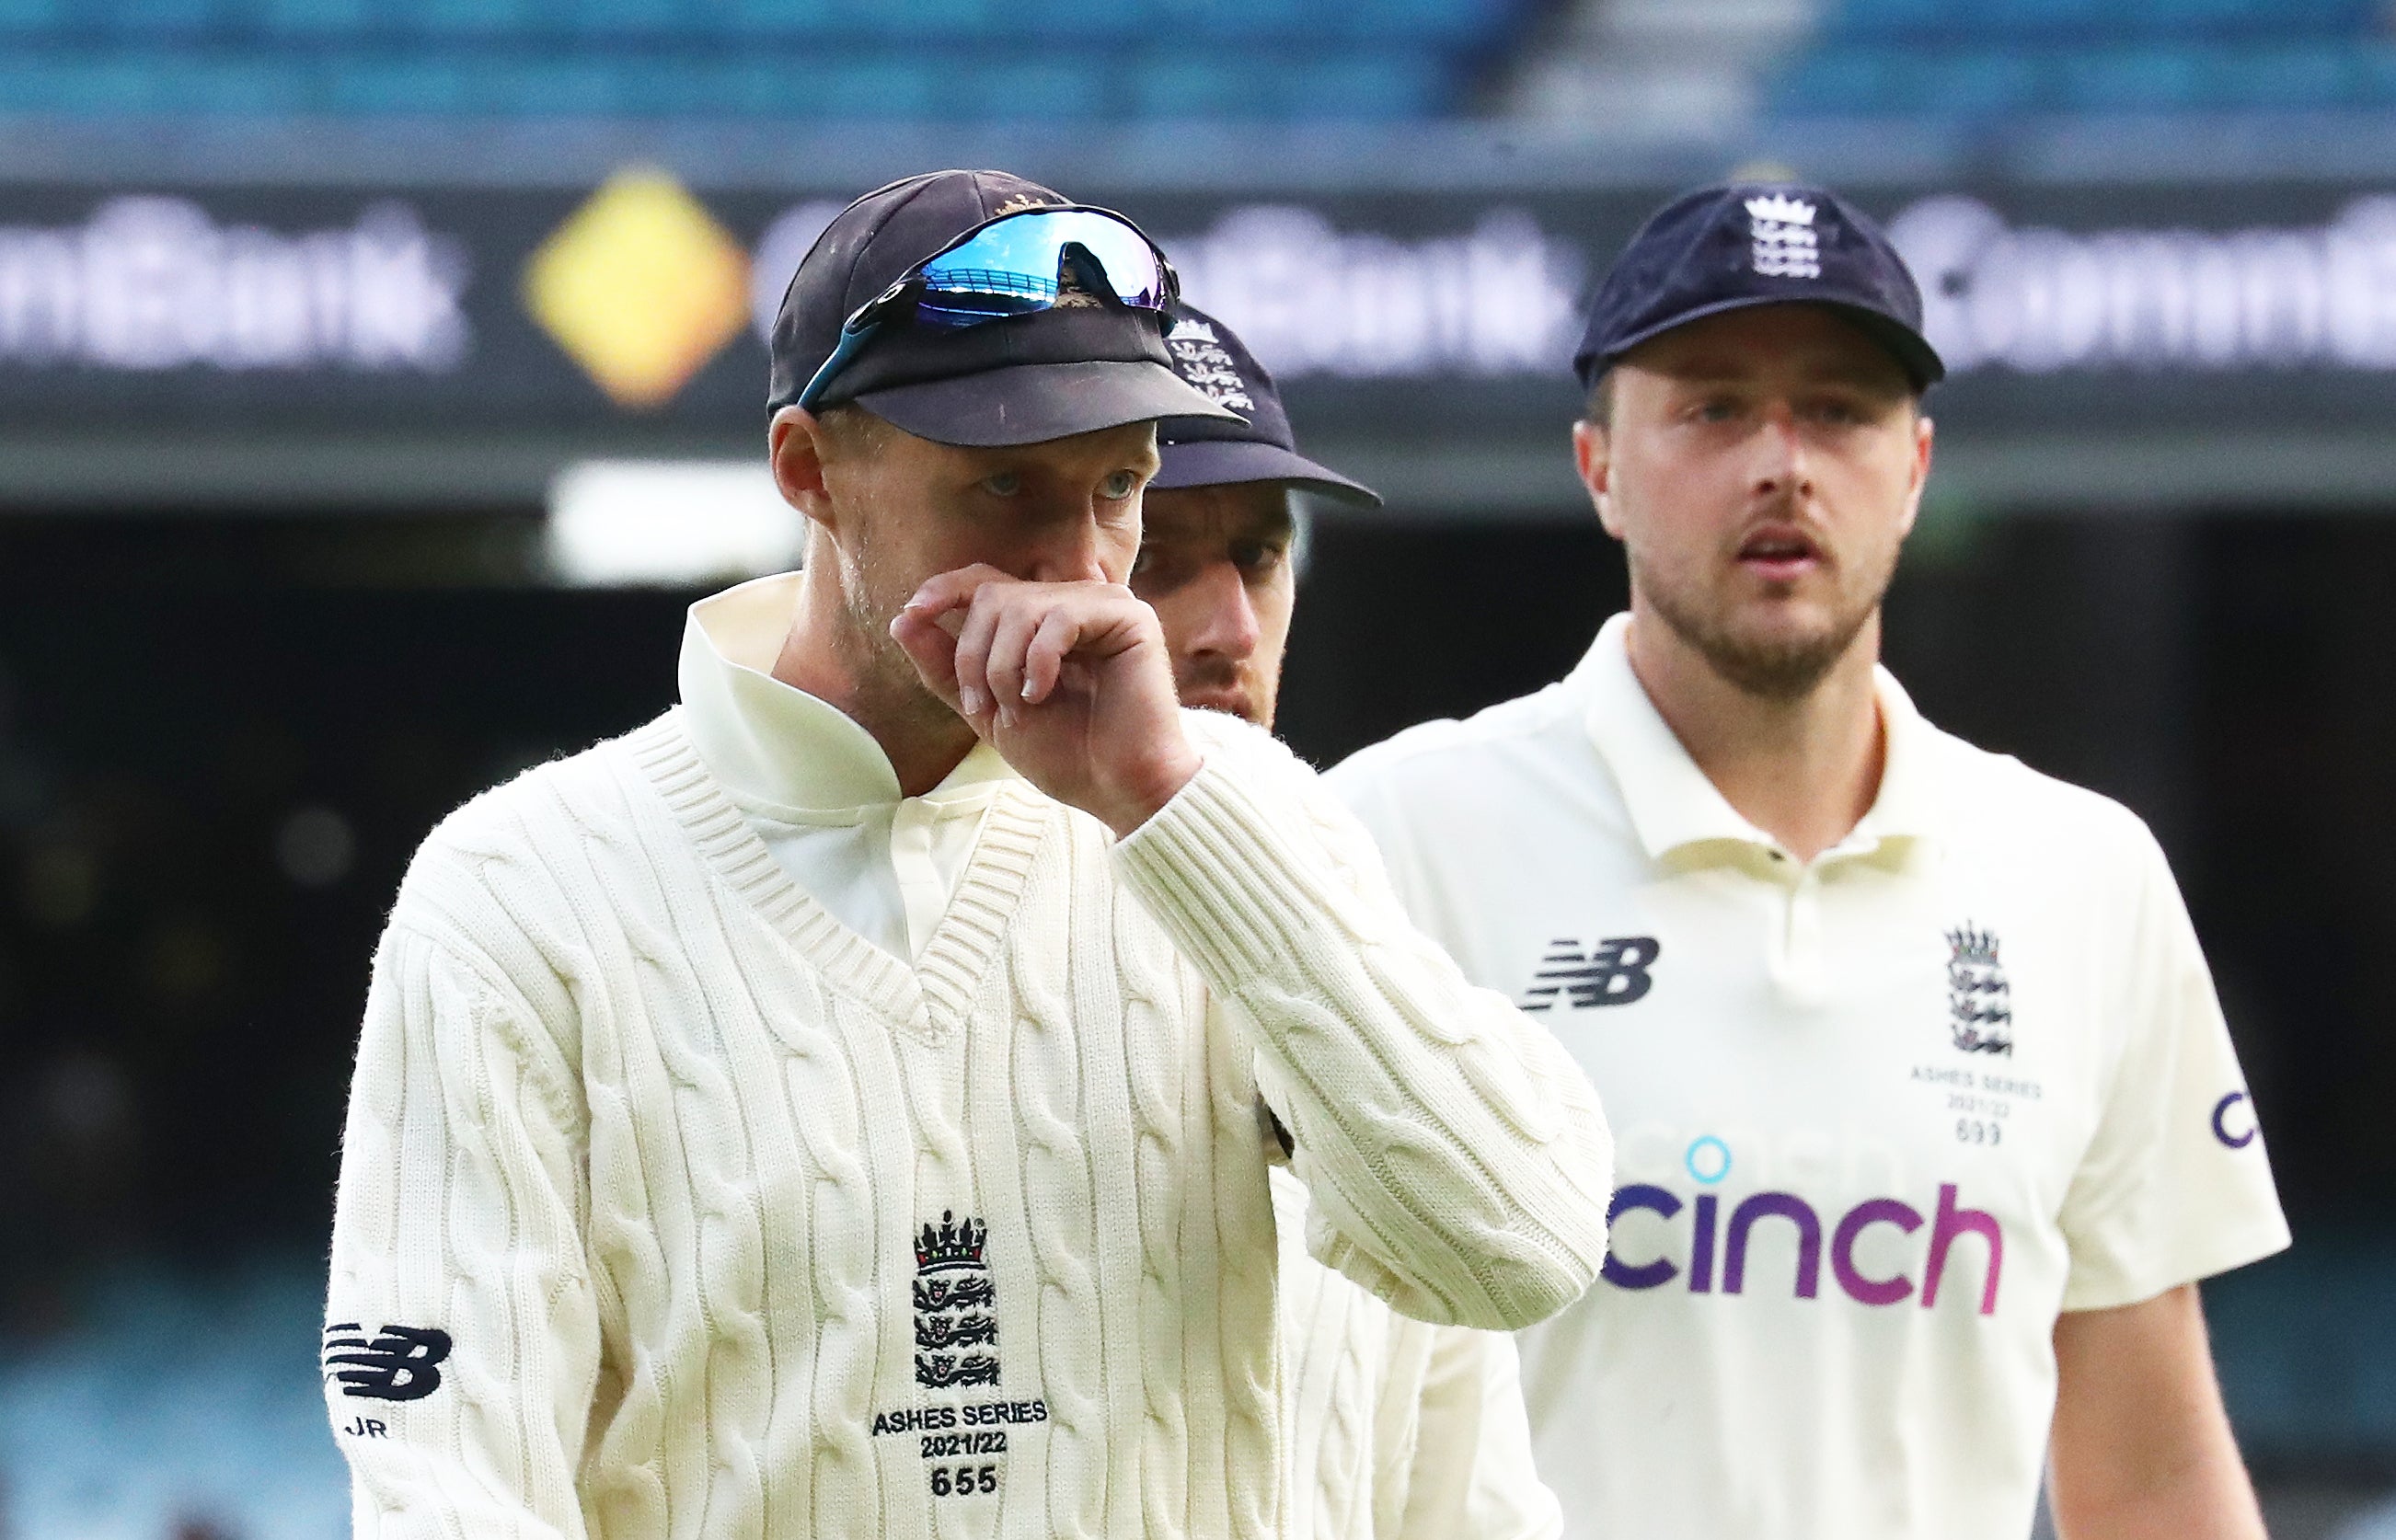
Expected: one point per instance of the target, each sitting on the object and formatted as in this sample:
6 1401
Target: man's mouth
1779 553
1233 701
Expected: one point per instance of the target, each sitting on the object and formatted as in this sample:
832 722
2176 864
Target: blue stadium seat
923 23
376 84
2294 78
2132 80
150 21
87 85
1893 19
466 19
1382 87
1211 20
1094 24
1856 80
1469 23
230 86
776 18
661 18
1960 84
30 16
2041 19
557 88
2374 72
2181 17
1984 83
895 85
1065 61
1183 87
1376 86
1032 89
314 19
2091 56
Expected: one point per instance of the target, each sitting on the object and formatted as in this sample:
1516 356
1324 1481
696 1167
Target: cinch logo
1949 1222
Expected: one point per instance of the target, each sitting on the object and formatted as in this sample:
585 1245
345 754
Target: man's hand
1070 682
2140 1447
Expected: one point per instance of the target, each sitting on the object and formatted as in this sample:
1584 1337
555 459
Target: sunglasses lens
1013 266
1022 264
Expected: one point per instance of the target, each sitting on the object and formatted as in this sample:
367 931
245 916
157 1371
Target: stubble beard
891 697
1779 668
1255 687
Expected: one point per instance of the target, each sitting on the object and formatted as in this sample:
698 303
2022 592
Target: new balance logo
1614 972
398 1364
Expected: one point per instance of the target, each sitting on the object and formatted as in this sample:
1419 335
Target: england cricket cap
1744 243
1215 451
1020 380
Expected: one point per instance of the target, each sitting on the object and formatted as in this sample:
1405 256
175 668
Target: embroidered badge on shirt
1979 999
956 1329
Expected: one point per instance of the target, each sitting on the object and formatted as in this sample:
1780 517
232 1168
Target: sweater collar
774 743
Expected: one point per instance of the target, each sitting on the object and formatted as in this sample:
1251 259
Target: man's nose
1068 553
1229 625
1780 468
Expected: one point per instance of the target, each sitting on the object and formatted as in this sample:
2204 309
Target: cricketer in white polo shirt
1926 1117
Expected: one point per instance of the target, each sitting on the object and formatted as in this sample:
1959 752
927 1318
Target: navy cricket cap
1744 244
1216 451
1024 379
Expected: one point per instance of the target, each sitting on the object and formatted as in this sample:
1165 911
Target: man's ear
796 448
1923 433
1593 456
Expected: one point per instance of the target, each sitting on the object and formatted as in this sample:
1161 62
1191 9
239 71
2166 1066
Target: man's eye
1141 563
1006 483
1258 556
1119 485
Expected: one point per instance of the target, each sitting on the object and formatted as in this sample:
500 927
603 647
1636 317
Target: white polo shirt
1879 1116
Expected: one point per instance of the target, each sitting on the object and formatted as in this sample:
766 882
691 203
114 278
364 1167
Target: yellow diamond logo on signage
641 286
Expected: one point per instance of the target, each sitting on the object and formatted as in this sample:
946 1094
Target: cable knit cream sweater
670 1207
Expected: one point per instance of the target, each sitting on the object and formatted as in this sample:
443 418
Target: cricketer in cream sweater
674 1203
1398 1430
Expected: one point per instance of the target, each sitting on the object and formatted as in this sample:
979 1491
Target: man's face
900 510
1215 564
1761 467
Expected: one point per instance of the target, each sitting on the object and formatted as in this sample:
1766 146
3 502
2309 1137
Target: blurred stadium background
377 382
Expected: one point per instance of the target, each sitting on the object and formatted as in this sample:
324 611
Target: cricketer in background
1398 1430
1928 1118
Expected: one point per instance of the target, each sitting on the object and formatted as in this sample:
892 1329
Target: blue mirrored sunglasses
1017 264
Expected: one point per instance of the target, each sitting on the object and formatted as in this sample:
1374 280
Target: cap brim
1034 402
1224 462
1914 352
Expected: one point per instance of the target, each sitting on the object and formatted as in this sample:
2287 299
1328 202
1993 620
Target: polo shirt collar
773 743
1670 803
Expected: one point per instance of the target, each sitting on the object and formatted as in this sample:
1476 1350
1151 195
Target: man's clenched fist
1070 682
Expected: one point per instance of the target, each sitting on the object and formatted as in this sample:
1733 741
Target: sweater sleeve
462 1340
1456 1155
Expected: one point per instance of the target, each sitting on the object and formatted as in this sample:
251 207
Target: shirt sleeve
461 1341
2174 1185
1455 1156
1472 1476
